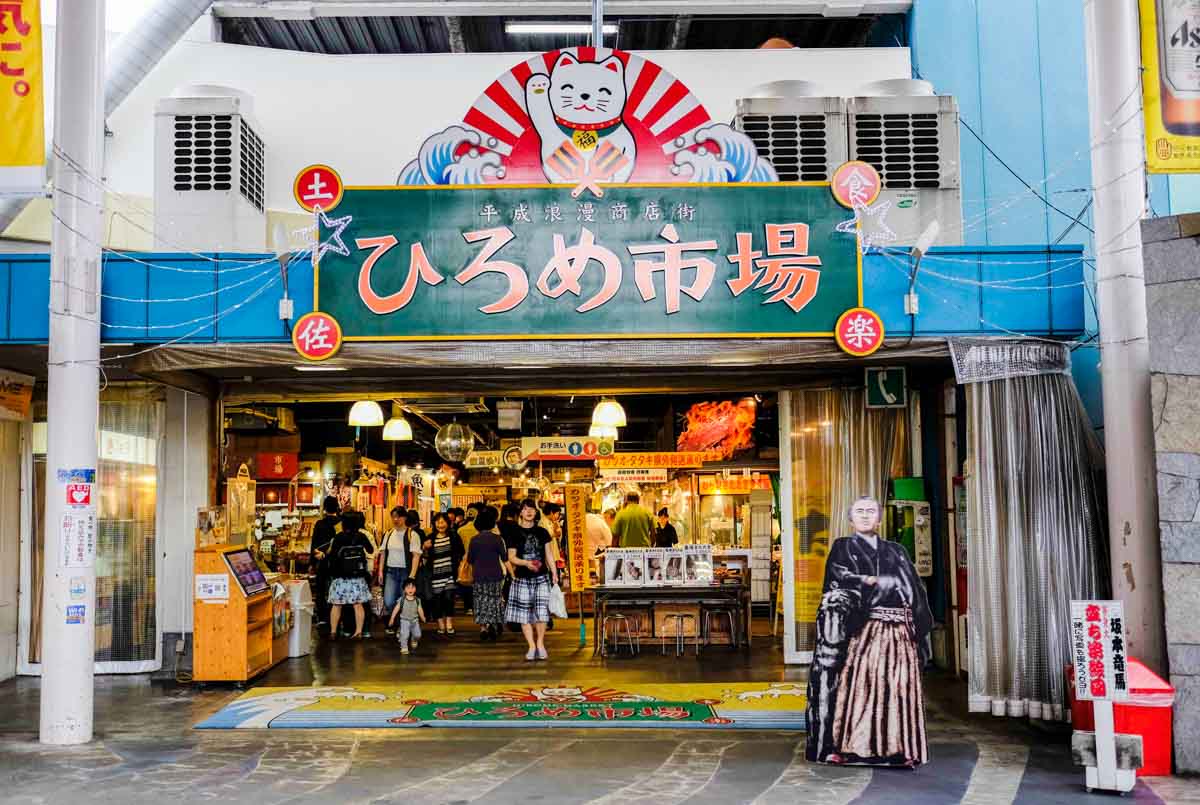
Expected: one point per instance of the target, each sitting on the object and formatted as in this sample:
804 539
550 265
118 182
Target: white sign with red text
1098 649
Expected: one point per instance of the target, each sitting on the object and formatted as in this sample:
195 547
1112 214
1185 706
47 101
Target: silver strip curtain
1036 539
841 450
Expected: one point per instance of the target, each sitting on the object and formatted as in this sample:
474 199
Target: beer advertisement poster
1170 32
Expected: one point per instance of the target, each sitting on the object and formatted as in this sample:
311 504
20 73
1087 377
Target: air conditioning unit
803 136
909 134
209 172
912 140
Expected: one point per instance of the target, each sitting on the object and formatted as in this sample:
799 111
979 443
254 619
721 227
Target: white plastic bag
558 602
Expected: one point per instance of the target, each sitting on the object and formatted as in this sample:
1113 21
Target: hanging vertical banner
576 496
22 137
1170 32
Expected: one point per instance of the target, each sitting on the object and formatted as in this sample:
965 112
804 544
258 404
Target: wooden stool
680 618
721 611
619 621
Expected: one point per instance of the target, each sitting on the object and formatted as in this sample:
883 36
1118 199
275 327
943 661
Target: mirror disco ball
454 442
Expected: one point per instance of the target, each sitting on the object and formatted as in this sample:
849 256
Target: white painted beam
311 9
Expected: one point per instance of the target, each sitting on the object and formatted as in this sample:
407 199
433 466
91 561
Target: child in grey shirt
408 609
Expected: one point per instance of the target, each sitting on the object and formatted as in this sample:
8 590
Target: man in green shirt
632 527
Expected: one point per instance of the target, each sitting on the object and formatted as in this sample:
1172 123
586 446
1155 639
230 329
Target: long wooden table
737 594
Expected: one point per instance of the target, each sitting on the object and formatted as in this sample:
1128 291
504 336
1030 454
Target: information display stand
233 617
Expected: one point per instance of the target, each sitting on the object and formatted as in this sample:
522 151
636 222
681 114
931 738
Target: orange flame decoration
725 428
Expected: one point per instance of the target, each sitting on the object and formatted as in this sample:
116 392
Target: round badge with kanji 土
318 187
317 336
856 184
859 332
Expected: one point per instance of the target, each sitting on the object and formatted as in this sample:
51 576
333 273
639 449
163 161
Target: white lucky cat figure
582 103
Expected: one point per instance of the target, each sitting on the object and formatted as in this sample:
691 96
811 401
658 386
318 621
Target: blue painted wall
235 297
1019 71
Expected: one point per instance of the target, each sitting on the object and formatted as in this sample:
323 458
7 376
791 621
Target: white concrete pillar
1119 182
69 589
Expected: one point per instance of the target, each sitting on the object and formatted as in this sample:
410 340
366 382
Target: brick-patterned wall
1172 259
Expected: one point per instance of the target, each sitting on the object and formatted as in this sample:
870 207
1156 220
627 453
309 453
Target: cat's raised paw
538 83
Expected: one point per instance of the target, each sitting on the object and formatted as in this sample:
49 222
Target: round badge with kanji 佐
318 187
856 184
859 332
317 336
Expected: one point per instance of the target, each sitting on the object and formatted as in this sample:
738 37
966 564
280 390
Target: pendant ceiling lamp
603 432
609 413
397 428
454 442
366 414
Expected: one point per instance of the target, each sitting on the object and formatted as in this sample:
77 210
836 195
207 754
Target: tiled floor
146 750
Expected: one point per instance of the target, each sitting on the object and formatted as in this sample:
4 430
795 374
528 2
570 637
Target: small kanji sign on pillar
856 184
318 187
859 332
317 336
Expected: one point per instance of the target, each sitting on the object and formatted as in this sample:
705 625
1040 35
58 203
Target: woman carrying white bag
533 557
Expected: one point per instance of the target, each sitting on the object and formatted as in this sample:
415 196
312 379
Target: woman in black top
444 555
533 556
349 562
322 539
665 537
487 555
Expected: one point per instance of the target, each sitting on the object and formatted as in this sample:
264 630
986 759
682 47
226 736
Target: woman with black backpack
350 571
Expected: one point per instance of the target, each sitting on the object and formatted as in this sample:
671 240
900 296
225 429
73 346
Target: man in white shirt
597 535
395 561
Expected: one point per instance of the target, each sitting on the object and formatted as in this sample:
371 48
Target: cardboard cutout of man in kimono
865 702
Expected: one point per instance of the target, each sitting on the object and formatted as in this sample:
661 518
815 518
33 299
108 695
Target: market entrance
703 468
706 589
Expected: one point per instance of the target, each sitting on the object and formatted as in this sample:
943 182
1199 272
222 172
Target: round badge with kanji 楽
859 332
318 187
856 184
317 336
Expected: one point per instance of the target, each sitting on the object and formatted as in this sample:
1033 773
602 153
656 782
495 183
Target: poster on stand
697 564
655 567
635 567
614 567
673 566
866 705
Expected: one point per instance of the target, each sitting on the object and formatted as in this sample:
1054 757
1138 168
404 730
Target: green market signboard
535 261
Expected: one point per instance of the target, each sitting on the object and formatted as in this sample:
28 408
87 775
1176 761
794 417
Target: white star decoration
883 234
333 241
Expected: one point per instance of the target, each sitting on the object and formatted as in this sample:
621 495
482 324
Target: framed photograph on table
635 567
655 567
673 566
697 564
614 567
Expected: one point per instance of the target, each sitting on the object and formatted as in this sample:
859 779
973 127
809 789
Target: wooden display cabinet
232 636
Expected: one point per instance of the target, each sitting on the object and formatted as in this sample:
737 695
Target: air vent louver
796 145
251 178
203 152
904 148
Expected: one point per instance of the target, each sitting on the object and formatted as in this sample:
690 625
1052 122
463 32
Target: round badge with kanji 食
859 332
318 187
317 336
856 184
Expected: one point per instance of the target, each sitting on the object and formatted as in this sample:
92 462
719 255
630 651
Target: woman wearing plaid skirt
533 556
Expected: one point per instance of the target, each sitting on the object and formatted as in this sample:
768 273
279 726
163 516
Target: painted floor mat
753 705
